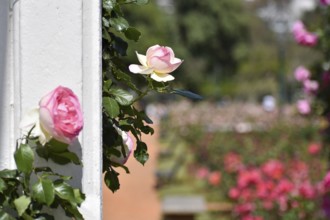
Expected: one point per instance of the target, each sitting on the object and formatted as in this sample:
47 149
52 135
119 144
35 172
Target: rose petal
46 120
176 61
151 50
162 77
160 65
29 119
142 59
44 137
139 69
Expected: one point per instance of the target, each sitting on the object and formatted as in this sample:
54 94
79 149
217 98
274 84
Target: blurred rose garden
257 146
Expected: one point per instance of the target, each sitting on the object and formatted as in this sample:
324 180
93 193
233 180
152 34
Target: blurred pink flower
202 173
325 2
303 107
283 188
326 181
310 86
244 209
306 190
314 148
248 177
302 36
273 169
301 74
298 171
264 189
234 193
232 162
214 178
268 204
251 217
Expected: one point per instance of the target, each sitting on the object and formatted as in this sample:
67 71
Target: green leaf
21 204
79 196
56 146
105 22
44 191
120 24
109 4
119 45
145 117
8 173
124 77
65 157
132 34
141 152
3 185
73 210
147 130
5 216
141 2
122 97
187 94
111 107
111 180
65 191
107 85
24 158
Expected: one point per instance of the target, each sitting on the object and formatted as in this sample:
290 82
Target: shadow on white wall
4 74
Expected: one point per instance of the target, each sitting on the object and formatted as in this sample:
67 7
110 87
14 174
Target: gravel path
137 198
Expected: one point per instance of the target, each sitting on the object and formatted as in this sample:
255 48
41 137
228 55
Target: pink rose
60 115
158 63
302 36
301 74
128 146
303 107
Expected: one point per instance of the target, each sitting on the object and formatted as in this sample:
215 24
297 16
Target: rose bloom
128 146
202 172
248 177
302 36
158 62
273 169
301 74
60 114
214 178
232 162
234 193
244 209
314 148
306 190
310 86
298 171
325 2
303 107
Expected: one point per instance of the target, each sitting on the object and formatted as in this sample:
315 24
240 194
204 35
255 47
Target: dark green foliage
23 197
120 92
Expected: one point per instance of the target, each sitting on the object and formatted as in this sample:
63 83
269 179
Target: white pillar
43 44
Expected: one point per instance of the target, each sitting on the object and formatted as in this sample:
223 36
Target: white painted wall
43 44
